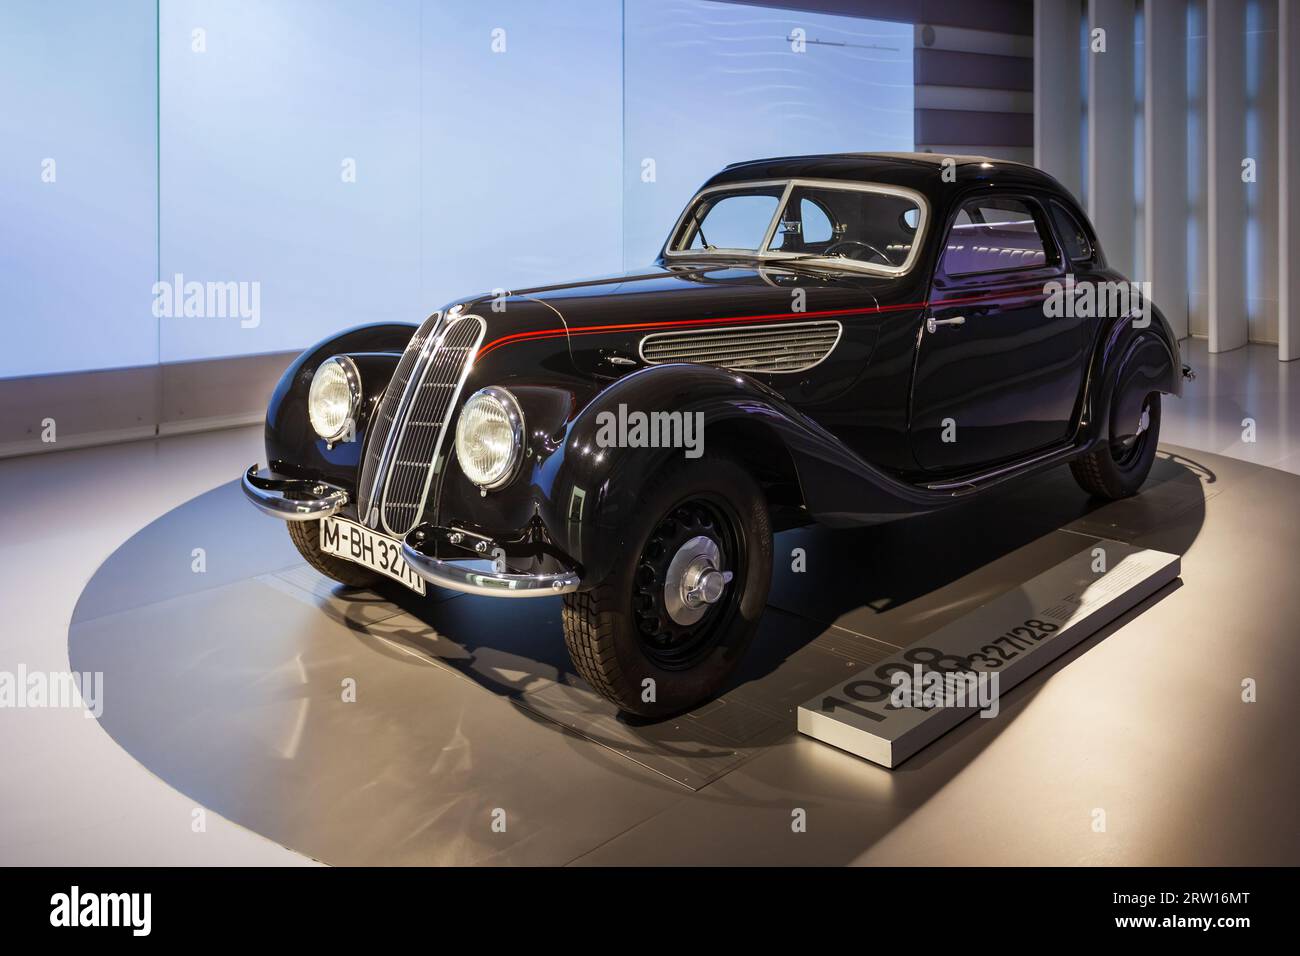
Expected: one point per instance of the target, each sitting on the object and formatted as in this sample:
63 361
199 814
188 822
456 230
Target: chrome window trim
733 187
764 254
839 333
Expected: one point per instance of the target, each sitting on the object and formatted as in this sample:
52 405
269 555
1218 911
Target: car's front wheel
306 538
669 626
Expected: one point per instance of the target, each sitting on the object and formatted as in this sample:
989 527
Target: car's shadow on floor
896 582
840 599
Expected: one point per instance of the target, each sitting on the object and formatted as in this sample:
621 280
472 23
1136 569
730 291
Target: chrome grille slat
423 421
785 347
379 434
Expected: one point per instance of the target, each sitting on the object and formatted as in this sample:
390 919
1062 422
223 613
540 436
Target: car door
996 377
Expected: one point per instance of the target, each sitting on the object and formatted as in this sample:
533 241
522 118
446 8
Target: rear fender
1132 362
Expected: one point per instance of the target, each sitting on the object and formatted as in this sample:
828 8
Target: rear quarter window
1074 238
996 234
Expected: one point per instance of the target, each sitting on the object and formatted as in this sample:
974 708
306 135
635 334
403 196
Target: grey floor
1232 388
229 680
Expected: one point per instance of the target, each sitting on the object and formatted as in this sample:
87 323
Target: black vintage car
843 339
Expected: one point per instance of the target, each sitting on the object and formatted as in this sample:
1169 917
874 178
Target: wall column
1111 109
1288 142
1165 172
1225 196
1057 103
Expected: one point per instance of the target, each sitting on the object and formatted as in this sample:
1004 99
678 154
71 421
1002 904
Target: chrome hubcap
694 580
1144 421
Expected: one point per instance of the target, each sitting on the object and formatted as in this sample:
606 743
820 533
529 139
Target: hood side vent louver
784 347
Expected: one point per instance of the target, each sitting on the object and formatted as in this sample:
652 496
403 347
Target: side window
1073 237
993 234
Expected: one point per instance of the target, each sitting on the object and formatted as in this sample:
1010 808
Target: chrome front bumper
299 499
292 499
461 577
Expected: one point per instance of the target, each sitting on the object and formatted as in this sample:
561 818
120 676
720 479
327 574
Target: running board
1015 469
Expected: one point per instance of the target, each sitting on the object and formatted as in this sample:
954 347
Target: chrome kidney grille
411 423
787 347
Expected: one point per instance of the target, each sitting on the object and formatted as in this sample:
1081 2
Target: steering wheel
844 244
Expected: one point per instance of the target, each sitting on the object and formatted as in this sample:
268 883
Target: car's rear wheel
1118 468
667 629
305 536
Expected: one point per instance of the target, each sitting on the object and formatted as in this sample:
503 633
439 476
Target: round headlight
334 396
490 437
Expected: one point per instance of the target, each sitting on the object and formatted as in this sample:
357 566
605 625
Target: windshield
857 226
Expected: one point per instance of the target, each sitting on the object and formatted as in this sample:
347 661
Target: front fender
594 490
292 445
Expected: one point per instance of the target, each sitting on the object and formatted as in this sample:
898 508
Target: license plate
378 552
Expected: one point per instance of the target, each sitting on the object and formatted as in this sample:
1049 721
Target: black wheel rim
668 643
1125 454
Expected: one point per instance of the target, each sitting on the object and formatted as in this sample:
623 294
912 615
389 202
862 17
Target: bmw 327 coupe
844 339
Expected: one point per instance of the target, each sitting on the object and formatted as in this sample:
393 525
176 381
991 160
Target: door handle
932 324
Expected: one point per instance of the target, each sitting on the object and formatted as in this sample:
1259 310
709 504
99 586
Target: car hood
607 316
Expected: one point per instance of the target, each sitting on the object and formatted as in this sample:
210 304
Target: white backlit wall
78 244
709 84
260 114
1210 153
364 167
309 165
522 143
334 165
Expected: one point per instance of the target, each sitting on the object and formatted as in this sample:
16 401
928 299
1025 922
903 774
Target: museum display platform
385 728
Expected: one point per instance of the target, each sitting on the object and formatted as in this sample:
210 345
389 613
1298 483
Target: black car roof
919 171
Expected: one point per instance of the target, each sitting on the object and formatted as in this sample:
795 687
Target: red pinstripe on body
729 320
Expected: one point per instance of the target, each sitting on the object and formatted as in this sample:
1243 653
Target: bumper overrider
292 499
300 499
498 582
